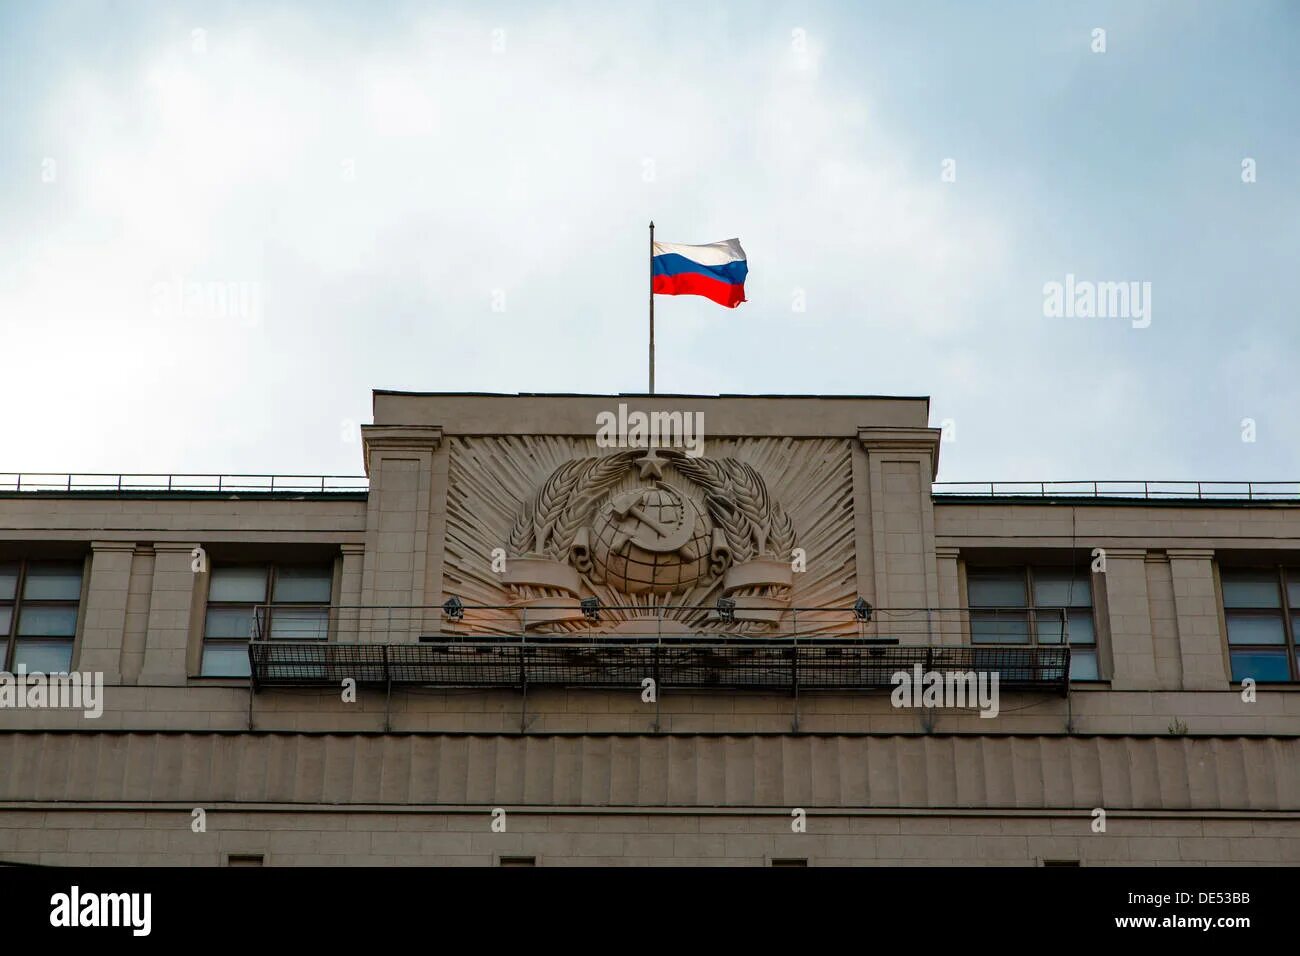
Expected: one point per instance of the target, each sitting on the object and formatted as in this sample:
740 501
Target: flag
716 271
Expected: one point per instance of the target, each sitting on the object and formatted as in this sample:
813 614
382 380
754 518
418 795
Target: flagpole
652 307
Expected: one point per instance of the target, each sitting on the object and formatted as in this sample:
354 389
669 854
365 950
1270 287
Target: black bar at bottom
922 906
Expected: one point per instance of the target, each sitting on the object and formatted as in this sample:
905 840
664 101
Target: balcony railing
87 482
681 646
1148 490
684 663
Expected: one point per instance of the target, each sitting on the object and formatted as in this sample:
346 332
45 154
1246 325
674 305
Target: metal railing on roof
1149 490
103 482
52 482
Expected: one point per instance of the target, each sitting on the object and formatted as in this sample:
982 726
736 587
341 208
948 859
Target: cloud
456 200
381 197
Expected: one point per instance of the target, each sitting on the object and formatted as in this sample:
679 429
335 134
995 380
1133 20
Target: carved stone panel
647 530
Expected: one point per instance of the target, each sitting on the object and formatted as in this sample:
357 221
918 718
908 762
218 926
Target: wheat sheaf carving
598 477
552 498
521 535
712 477
751 498
548 522
781 536
739 504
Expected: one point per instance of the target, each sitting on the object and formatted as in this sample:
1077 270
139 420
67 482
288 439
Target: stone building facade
496 527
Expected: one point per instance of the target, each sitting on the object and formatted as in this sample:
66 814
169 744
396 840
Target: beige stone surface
937 772
308 835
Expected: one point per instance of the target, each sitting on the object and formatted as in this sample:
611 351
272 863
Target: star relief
652 466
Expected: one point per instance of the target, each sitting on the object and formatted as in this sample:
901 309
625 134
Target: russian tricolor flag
716 271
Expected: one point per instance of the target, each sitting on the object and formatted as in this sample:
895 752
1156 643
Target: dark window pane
299 624
999 627
6 616
1050 626
1080 627
1083 665
1254 628
225 660
1261 665
1061 588
1293 587
303 585
996 589
45 657
1251 589
238 584
236 622
37 621
52 582
8 581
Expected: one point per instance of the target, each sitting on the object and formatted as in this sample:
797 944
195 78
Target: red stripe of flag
694 283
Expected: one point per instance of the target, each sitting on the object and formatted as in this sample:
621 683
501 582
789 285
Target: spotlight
862 610
454 609
591 608
726 610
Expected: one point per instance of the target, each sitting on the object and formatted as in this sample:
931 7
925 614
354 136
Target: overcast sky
222 224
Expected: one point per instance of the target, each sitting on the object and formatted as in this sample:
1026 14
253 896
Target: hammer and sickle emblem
667 530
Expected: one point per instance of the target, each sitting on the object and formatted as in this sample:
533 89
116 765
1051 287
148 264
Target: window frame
19 603
265 608
1290 645
1025 571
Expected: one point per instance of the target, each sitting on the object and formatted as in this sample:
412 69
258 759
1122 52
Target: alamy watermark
624 429
922 688
1084 299
77 909
37 691
209 301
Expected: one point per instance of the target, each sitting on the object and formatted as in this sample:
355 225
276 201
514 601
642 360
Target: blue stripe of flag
672 264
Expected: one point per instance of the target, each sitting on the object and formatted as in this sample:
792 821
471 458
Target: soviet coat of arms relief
645 528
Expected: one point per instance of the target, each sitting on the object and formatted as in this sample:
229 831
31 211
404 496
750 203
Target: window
1258 609
239 609
1029 606
245 859
790 861
39 604
518 861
